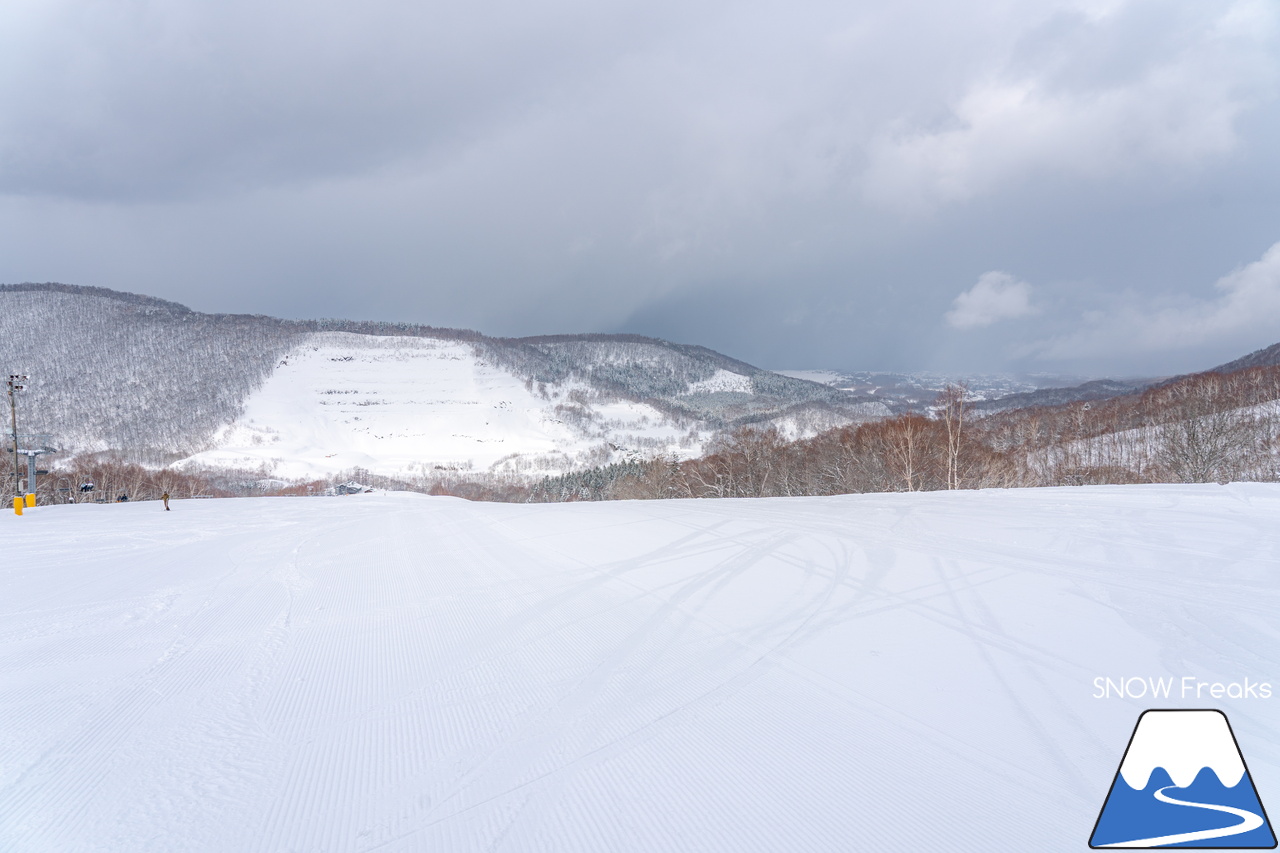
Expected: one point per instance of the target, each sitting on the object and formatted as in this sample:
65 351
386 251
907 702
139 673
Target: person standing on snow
165 498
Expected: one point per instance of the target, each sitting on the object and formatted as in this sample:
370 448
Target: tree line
1209 427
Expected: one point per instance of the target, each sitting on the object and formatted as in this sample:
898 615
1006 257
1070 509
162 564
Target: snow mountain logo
1183 783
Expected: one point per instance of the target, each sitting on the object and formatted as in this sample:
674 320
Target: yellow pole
17 505
31 499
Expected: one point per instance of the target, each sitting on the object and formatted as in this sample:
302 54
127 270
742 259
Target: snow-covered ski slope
392 672
404 405
154 382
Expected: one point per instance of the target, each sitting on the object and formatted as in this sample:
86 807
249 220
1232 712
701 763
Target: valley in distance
885 641
140 396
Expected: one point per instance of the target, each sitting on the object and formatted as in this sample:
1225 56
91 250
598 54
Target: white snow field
402 405
393 672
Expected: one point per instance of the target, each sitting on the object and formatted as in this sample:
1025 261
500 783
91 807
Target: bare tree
952 408
907 450
1210 436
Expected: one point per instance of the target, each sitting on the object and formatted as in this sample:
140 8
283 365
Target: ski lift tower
16 381
32 445
29 445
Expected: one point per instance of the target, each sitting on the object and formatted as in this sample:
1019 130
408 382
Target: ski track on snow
400 673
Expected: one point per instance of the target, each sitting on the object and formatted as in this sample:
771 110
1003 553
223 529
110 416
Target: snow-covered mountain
988 392
161 383
339 400
916 391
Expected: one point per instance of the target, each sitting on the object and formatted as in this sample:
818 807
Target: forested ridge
1208 427
125 379
153 380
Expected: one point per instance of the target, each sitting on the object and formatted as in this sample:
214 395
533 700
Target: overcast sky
1086 187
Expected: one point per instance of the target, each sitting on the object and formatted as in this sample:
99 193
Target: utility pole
15 384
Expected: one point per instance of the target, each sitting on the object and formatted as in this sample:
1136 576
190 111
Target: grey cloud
1245 307
142 100
834 172
1094 112
997 296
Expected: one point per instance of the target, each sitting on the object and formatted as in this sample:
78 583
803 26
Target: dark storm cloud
137 100
814 185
